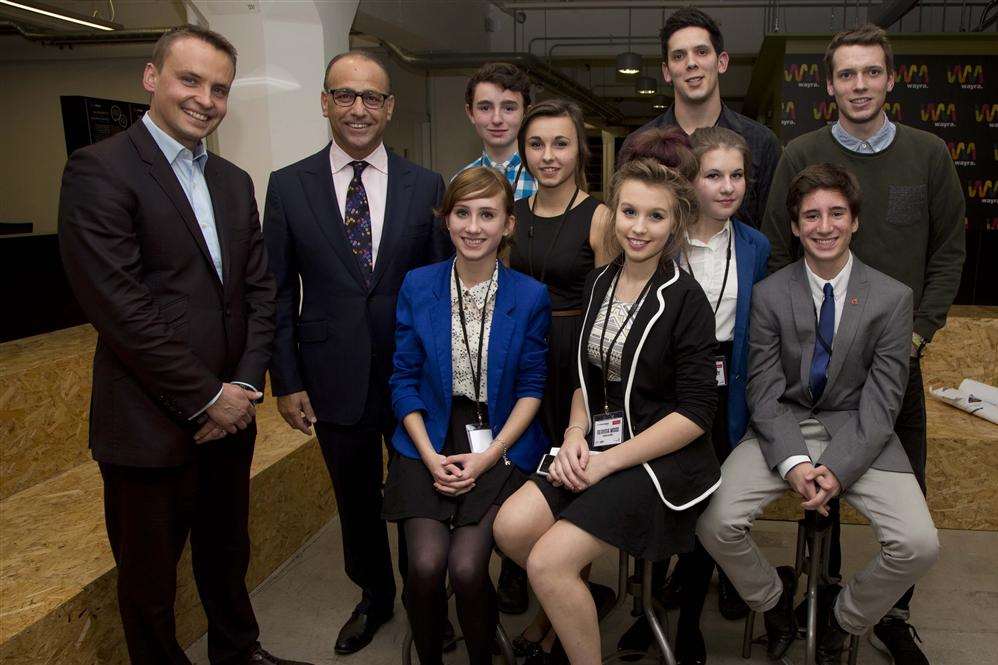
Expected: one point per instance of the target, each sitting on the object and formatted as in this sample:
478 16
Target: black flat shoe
358 632
636 638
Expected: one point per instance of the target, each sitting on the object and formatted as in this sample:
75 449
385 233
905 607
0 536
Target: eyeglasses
347 96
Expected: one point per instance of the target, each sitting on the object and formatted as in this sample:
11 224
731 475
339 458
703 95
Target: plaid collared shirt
516 172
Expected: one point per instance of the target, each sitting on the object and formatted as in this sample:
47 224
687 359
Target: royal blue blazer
517 367
751 254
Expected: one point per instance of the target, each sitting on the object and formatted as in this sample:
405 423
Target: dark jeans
149 513
910 428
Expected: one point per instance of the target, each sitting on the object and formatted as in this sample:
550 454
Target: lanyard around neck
475 373
724 282
606 352
554 241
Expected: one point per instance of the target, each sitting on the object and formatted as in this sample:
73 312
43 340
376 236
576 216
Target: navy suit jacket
343 338
751 255
517 353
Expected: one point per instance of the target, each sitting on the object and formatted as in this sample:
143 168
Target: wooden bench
57 576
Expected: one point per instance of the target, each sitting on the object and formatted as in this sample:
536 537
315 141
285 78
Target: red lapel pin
854 301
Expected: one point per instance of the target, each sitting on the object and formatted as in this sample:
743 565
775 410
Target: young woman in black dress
558 242
646 399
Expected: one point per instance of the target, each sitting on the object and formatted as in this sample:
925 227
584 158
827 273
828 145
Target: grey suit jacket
867 372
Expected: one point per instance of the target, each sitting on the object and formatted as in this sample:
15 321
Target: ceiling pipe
575 5
143 36
537 69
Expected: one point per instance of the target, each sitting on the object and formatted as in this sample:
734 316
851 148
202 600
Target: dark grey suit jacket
867 372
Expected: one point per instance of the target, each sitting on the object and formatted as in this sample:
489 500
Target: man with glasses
343 227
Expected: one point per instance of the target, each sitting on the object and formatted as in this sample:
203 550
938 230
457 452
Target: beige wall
34 146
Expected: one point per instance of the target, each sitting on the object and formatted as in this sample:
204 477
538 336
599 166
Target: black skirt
625 510
409 489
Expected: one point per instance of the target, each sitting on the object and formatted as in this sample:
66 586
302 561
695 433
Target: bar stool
502 640
813 545
645 604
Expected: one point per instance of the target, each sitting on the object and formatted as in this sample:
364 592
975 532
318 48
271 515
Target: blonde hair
685 204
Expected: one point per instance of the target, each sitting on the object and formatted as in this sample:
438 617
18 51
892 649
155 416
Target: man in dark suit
828 364
162 244
343 227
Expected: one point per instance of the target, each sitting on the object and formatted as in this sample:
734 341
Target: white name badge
479 438
721 371
608 429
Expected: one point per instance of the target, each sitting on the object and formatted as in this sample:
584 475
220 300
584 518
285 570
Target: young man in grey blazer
825 427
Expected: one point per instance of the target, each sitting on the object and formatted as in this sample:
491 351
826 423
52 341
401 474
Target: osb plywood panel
44 406
57 578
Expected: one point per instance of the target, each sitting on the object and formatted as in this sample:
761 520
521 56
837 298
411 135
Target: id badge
479 438
608 429
721 371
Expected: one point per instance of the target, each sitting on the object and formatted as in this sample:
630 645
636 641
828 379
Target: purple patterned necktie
357 221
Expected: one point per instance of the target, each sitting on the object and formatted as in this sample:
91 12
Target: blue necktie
823 344
357 221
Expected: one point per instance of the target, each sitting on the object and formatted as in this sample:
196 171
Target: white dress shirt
375 179
840 283
705 261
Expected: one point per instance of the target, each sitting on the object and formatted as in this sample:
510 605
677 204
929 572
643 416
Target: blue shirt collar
876 143
510 163
170 146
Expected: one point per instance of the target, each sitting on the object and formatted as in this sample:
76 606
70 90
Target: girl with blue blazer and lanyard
470 367
727 258
635 467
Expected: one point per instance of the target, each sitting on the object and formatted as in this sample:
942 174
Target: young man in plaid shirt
495 100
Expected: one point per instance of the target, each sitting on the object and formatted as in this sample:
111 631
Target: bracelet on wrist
503 449
582 430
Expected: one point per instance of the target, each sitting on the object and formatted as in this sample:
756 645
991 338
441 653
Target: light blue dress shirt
189 169
876 143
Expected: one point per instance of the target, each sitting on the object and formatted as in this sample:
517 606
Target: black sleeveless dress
561 260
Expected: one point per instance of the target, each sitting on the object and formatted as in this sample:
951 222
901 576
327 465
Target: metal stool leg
505 647
747 638
649 609
814 561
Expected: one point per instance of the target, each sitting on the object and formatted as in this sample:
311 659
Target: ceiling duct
537 69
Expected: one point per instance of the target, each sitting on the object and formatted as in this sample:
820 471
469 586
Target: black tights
436 552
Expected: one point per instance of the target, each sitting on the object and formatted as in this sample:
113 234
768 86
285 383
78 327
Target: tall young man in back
693 60
495 100
913 230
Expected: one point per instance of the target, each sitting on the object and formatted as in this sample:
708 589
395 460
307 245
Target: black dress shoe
831 640
260 656
512 592
358 632
781 625
729 603
896 637
690 648
636 638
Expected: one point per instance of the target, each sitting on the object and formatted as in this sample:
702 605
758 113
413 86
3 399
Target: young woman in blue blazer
470 368
727 258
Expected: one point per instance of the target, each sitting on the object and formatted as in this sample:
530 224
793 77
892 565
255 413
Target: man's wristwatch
918 343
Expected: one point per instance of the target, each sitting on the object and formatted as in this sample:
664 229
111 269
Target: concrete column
274 115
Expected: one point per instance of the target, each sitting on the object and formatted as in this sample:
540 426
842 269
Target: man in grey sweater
912 230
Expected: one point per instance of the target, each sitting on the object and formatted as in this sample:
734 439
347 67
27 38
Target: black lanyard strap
606 352
724 282
516 180
554 241
475 374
